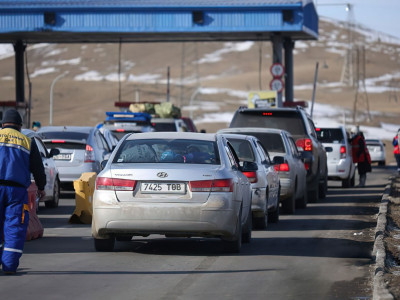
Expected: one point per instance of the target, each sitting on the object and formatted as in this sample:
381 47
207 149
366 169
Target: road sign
276 84
277 70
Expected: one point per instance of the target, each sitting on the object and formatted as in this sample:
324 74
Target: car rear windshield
330 135
271 141
65 135
287 120
164 126
179 151
243 149
120 134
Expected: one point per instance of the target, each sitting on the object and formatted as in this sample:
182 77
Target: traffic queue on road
159 176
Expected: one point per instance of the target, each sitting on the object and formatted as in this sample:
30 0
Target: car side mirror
54 152
277 160
103 164
249 166
328 149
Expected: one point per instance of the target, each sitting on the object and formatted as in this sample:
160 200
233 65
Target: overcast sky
380 15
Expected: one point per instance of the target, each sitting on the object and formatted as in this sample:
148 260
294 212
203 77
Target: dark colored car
297 122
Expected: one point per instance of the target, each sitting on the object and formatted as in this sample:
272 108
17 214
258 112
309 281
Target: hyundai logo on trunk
162 174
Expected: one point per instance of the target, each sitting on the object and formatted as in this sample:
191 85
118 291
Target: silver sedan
179 184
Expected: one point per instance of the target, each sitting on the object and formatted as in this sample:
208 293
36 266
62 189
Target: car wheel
53 203
234 243
104 245
382 163
323 187
346 183
353 180
313 195
273 216
246 235
302 202
289 204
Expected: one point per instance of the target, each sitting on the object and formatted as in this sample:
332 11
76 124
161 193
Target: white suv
338 148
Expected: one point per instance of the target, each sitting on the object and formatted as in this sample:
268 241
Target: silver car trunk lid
163 182
72 152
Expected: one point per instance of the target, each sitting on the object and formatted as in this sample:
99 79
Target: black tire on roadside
104 245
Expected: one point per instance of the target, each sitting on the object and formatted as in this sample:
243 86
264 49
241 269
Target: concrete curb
380 291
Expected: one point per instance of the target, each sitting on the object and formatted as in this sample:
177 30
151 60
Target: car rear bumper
339 169
215 218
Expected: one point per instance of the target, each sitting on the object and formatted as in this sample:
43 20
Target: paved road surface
321 252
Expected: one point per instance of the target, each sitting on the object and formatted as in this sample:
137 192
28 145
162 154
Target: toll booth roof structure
76 21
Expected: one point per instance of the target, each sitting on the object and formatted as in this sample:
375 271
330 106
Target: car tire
313 195
246 234
346 183
302 201
382 163
234 243
273 216
289 204
323 187
53 203
260 222
104 245
353 180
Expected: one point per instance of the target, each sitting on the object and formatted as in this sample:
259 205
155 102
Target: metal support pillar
289 46
19 48
277 45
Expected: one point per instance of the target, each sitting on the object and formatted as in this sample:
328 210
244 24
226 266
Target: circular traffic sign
277 70
276 84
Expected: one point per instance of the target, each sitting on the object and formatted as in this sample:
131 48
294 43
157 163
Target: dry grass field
91 86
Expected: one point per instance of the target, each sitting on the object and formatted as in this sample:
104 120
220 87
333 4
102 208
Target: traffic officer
19 157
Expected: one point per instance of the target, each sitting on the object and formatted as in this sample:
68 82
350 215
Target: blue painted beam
151 20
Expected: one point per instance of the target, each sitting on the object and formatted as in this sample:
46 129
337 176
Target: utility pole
361 96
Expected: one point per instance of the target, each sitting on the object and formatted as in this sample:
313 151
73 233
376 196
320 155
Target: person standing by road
19 157
360 156
396 150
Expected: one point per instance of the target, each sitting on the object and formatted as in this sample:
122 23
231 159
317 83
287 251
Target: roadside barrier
84 189
35 228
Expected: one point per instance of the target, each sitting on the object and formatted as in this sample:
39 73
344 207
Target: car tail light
218 185
306 144
57 141
120 130
114 184
252 176
307 166
89 154
342 151
282 167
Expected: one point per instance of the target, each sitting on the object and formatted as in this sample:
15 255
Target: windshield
65 135
164 126
330 135
286 120
168 151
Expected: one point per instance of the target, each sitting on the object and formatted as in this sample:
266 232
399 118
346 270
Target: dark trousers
14 220
397 157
